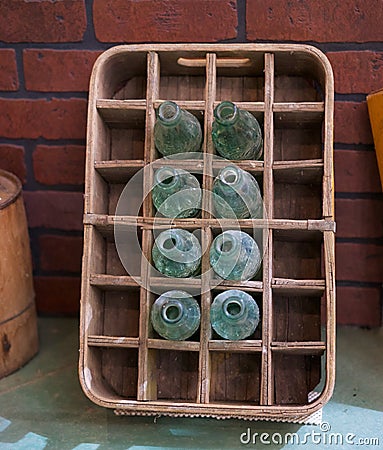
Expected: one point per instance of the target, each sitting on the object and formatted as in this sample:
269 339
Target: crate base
310 419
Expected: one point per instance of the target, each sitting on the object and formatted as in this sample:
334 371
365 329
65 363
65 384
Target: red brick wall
46 54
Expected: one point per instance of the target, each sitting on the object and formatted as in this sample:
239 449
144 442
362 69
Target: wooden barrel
18 325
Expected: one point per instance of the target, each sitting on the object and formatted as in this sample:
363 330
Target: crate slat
118 171
204 372
124 112
112 282
112 341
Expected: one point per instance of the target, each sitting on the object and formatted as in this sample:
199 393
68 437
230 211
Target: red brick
53 209
358 306
164 20
310 20
359 262
57 295
59 164
352 124
357 218
42 21
51 119
58 70
9 80
366 64
356 171
12 159
60 253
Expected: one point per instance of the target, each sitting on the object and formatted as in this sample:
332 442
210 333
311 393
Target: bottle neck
169 114
226 113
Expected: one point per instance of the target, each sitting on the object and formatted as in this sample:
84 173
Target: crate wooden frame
147 66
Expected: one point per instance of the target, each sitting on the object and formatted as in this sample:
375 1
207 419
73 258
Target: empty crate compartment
297 254
298 192
121 312
235 377
296 318
295 377
121 132
296 138
179 78
242 81
302 81
175 374
119 371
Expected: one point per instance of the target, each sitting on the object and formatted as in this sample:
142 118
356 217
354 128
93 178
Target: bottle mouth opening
229 176
166 176
226 112
174 246
168 111
233 308
169 243
172 312
168 180
225 245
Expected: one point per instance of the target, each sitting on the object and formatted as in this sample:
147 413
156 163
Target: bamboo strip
147 384
329 263
106 223
191 105
308 348
112 341
328 137
266 392
244 346
118 171
162 344
248 106
298 106
112 282
204 372
187 164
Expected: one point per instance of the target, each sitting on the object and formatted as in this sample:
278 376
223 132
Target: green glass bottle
236 194
176 130
175 315
234 255
234 314
176 193
236 133
177 253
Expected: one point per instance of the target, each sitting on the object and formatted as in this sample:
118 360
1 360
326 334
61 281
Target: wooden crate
124 364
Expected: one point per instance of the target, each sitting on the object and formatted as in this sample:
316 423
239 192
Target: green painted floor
42 406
